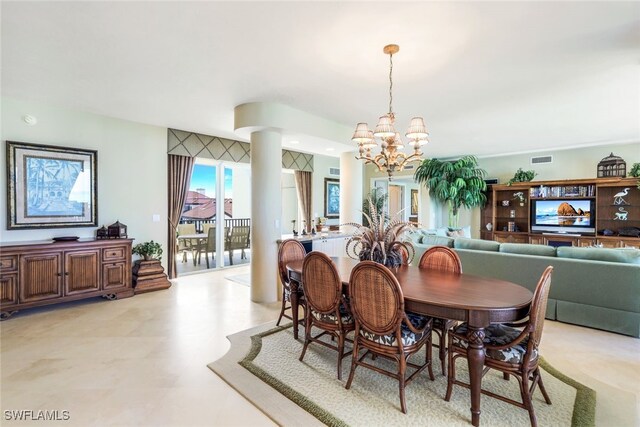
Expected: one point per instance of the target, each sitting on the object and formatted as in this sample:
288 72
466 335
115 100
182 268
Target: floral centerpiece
381 241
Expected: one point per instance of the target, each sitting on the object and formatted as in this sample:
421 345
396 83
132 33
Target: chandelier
390 159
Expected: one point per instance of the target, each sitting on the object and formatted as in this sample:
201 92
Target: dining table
198 239
478 301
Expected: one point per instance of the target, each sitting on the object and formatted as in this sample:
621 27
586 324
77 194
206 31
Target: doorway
396 200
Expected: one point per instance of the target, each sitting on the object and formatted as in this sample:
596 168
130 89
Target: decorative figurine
293 226
622 215
618 197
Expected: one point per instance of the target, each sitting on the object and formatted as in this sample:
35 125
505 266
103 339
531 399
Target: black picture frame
51 186
331 198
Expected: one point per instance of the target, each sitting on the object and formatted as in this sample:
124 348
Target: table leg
475 358
294 306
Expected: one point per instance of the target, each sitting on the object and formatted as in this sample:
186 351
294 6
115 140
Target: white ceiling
488 77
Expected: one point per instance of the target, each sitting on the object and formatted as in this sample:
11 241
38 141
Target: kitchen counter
318 236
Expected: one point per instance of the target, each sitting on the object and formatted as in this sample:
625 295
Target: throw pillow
455 233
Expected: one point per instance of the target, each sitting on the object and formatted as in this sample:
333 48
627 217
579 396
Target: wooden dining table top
462 291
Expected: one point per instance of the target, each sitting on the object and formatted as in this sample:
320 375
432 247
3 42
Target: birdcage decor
117 230
612 166
102 233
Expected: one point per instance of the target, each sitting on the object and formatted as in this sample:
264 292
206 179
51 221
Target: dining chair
441 258
512 349
326 306
210 244
238 239
383 328
184 246
290 250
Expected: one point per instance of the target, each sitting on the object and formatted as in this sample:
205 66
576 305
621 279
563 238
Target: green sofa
593 287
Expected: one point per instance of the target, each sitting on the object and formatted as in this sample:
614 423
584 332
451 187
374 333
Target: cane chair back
321 283
377 301
290 250
539 305
441 258
326 308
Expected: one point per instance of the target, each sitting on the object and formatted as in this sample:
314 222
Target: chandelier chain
390 82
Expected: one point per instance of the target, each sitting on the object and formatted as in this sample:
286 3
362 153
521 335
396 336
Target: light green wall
567 164
132 167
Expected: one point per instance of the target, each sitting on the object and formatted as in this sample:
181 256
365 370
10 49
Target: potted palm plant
456 183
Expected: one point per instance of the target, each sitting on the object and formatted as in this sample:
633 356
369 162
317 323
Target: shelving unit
617 206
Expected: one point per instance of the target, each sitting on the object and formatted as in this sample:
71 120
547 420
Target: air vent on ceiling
409 167
541 159
334 171
490 181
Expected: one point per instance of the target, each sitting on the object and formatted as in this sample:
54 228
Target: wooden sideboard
41 273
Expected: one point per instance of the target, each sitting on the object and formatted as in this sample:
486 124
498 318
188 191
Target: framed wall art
331 198
414 202
49 186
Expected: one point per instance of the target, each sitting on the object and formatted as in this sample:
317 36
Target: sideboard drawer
113 254
9 263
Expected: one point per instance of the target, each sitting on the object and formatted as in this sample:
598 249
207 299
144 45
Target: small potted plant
522 176
148 250
635 172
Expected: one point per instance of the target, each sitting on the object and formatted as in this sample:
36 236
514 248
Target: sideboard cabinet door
41 276
81 271
114 275
9 288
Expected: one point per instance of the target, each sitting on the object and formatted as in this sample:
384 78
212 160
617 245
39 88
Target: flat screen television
564 216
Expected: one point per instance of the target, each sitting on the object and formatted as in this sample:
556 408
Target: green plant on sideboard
635 172
148 250
522 176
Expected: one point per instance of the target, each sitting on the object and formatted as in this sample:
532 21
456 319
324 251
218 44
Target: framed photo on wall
49 186
414 202
331 198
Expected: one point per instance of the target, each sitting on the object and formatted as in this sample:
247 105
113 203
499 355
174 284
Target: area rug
302 393
243 279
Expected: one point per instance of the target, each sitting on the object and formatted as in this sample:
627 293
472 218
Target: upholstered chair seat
345 316
497 335
409 337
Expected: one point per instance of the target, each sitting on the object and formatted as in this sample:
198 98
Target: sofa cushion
437 240
625 256
476 244
527 249
442 231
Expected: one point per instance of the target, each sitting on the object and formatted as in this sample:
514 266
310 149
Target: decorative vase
147 257
393 259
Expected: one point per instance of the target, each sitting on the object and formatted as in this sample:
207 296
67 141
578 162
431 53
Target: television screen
564 213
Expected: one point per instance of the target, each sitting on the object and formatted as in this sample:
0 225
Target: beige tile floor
142 360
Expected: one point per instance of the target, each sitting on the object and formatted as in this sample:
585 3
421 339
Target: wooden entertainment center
616 202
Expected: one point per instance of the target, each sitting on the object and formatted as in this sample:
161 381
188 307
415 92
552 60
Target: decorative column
351 172
266 206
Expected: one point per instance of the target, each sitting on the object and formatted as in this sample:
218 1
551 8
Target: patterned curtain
180 168
303 188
